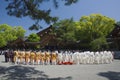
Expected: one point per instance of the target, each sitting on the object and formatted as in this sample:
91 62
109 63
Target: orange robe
27 57
15 56
21 57
47 56
54 56
42 58
37 58
32 57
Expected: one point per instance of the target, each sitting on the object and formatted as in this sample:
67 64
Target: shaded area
25 73
110 75
117 54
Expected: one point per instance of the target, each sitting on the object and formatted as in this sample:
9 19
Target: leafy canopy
65 30
9 33
89 32
33 38
94 29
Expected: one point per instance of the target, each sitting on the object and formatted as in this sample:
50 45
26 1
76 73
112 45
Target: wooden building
47 40
114 38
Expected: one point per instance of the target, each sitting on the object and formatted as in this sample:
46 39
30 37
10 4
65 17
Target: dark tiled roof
115 32
45 30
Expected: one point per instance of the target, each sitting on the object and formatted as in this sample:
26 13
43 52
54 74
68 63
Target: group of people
58 57
30 57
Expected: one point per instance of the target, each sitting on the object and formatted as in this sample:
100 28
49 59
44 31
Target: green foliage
9 33
37 46
33 38
65 30
31 8
93 28
2 41
18 31
89 32
99 44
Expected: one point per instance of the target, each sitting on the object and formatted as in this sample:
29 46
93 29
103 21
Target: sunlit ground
10 71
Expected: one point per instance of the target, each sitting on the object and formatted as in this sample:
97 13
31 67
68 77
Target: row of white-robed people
59 57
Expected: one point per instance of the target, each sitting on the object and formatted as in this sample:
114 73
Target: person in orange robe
20 57
47 57
23 57
54 58
15 56
42 58
27 57
37 58
32 57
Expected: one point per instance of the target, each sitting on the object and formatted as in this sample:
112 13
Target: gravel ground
9 71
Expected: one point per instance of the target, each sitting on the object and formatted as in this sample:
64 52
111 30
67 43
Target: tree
34 38
88 33
99 44
64 30
2 41
93 30
19 31
31 8
9 34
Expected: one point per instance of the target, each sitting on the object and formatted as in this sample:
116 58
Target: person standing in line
6 56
